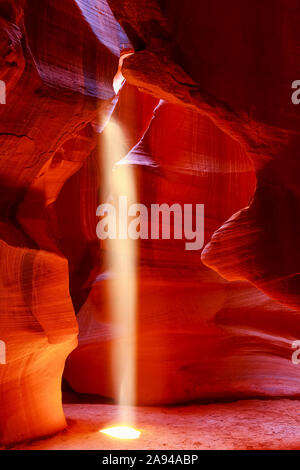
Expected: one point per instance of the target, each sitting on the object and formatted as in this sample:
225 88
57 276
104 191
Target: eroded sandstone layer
58 73
213 123
198 335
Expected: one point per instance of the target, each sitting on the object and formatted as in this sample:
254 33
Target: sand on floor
247 424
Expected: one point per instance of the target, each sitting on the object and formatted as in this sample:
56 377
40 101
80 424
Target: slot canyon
166 102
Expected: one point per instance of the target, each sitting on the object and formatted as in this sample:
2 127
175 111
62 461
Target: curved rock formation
201 337
238 69
58 76
225 133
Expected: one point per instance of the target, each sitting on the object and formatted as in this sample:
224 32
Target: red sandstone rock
59 79
198 336
238 69
230 140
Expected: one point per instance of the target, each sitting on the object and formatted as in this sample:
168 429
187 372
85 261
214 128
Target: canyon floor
240 425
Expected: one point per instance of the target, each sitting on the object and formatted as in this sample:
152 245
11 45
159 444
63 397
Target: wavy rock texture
238 70
198 336
225 133
59 78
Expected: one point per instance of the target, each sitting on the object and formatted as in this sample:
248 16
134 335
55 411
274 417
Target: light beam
122 432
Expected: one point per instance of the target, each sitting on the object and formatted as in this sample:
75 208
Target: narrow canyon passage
149 224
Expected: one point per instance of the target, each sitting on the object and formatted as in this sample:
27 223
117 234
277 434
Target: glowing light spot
122 432
119 79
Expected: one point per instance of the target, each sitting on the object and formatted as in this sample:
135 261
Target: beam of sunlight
121 261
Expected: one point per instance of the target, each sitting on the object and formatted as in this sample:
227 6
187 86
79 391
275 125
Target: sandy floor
252 424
